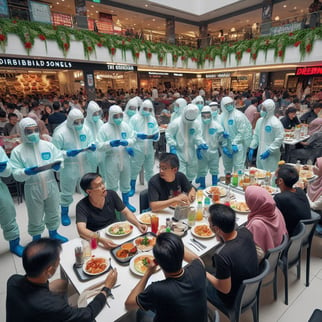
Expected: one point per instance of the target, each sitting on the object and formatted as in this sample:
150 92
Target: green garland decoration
28 31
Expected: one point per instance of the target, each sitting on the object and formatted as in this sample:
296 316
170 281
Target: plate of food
215 189
202 231
96 266
260 174
270 189
125 251
239 206
140 263
145 218
306 174
145 243
119 229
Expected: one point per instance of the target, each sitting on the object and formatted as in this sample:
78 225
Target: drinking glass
191 216
154 223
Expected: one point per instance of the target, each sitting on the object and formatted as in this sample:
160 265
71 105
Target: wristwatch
106 290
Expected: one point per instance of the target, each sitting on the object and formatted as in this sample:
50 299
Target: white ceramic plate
194 228
95 259
234 205
223 191
134 263
145 248
119 229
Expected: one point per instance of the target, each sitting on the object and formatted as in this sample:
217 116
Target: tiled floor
302 300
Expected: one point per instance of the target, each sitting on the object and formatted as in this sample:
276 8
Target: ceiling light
92 6
112 10
153 19
285 5
294 8
233 29
277 18
145 5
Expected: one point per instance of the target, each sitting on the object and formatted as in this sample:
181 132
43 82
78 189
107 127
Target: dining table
127 280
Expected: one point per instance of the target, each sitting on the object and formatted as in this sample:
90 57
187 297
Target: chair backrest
310 225
144 200
249 289
273 254
292 251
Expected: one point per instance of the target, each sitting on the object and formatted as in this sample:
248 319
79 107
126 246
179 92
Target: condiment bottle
199 212
227 178
168 225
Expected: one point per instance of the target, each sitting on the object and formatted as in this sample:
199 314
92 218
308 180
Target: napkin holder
181 212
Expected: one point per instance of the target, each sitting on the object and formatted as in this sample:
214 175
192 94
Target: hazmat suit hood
190 113
73 115
226 100
114 109
206 109
199 102
91 109
26 122
148 104
132 102
181 103
270 107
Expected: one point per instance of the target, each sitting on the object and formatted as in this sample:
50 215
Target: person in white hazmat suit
8 221
238 132
116 139
215 111
93 121
131 108
199 102
268 137
28 161
212 133
76 141
184 137
178 107
146 129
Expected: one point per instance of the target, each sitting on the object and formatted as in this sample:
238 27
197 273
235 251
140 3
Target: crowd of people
101 152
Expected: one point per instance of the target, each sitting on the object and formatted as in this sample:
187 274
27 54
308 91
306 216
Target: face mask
130 112
176 109
229 107
262 113
145 113
118 121
200 106
33 137
206 121
96 118
78 127
214 113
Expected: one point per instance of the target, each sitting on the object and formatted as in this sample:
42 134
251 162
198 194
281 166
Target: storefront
312 75
27 76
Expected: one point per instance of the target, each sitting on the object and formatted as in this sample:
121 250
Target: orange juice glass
154 223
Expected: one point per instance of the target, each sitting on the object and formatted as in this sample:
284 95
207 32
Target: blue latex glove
203 146
141 136
225 135
227 152
173 149
130 152
250 154
92 147
234 148
56 166
199 155
73 152
115 143
3 166
124 142
265 155
155 136
31 171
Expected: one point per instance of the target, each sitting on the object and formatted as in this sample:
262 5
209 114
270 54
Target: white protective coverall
178 107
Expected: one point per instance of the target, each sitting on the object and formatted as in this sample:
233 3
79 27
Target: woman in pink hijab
314 191
265 220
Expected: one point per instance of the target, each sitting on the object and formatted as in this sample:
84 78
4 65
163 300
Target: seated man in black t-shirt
292 202
181 296
235 259
97 210
169 187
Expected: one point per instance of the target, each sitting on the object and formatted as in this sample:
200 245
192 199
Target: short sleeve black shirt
158 189
96 218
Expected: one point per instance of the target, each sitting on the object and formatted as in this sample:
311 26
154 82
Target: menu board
60 19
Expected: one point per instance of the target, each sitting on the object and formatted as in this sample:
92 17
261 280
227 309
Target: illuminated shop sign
159 73
218 75
313 70
120 67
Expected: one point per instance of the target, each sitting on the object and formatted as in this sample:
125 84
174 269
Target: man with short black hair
55 118
308 117
169 186
11 127
235 259
292 202
182 295
31 298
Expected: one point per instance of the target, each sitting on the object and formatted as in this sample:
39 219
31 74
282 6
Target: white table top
125 277
295 141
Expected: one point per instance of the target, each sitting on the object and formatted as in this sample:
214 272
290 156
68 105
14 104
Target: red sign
314 70
60 19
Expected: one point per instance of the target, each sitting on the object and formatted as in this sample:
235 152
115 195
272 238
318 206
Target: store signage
158 73
218 75
313 70
120 67
34 63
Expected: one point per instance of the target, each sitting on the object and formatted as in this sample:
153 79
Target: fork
195 246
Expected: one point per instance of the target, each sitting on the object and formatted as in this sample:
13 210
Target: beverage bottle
227 178
240 177
234 180
199 212
199 196
206 205
298 166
